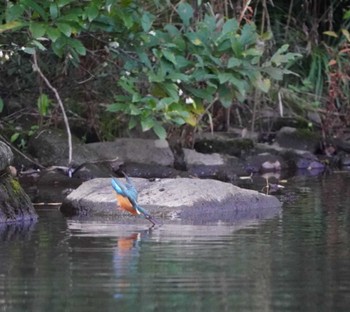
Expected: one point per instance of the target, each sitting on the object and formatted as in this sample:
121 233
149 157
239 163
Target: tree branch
58 98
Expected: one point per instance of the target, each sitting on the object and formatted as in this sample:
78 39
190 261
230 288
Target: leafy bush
180 71
172 74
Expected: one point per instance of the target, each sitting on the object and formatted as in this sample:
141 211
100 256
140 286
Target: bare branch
58 98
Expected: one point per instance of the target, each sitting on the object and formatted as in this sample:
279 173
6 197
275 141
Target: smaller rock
345 160
193 157
141 151
218 143
147 171
271 166
298 139
265 162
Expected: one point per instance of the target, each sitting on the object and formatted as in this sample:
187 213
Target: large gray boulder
190 200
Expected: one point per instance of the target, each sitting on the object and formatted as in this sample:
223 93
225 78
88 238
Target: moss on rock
15 204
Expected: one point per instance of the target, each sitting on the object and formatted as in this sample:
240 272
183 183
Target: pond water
296 261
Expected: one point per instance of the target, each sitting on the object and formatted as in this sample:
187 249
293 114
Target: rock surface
293 138
190 200
142 151
6 156
15 204
51 149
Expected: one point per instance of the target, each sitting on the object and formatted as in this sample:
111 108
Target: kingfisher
127 198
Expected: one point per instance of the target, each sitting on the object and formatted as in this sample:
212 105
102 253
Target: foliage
62 28
180 72
59 24
174 59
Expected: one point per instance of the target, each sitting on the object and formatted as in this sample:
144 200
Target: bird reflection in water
126 260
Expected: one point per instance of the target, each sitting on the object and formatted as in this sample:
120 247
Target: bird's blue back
128 190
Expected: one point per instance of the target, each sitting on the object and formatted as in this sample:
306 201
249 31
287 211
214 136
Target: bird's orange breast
125 204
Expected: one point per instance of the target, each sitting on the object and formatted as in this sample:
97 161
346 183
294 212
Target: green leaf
65 29
116 107
2 105
169 56
263 84
205 94
71 15
252 52
134 111
136 97
233 62
175 76
346 15
146 21
14 12
122 98
91 12
274 73
185 12
14 25
172 90
53 33
14 137
37 29
230 26
172 30
43 104
330 33
58 46
181 61
209 24
147 123
346 34
77 46
144 59
224 77
132 123
248 35
62 3
194 38
127 85
159 130
53 10
29 50
159 76
239 84
128 20
164 103
34 6
38 45
226 96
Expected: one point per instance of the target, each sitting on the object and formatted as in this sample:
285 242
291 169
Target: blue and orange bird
127 198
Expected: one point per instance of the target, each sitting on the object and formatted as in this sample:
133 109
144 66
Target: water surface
296 261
